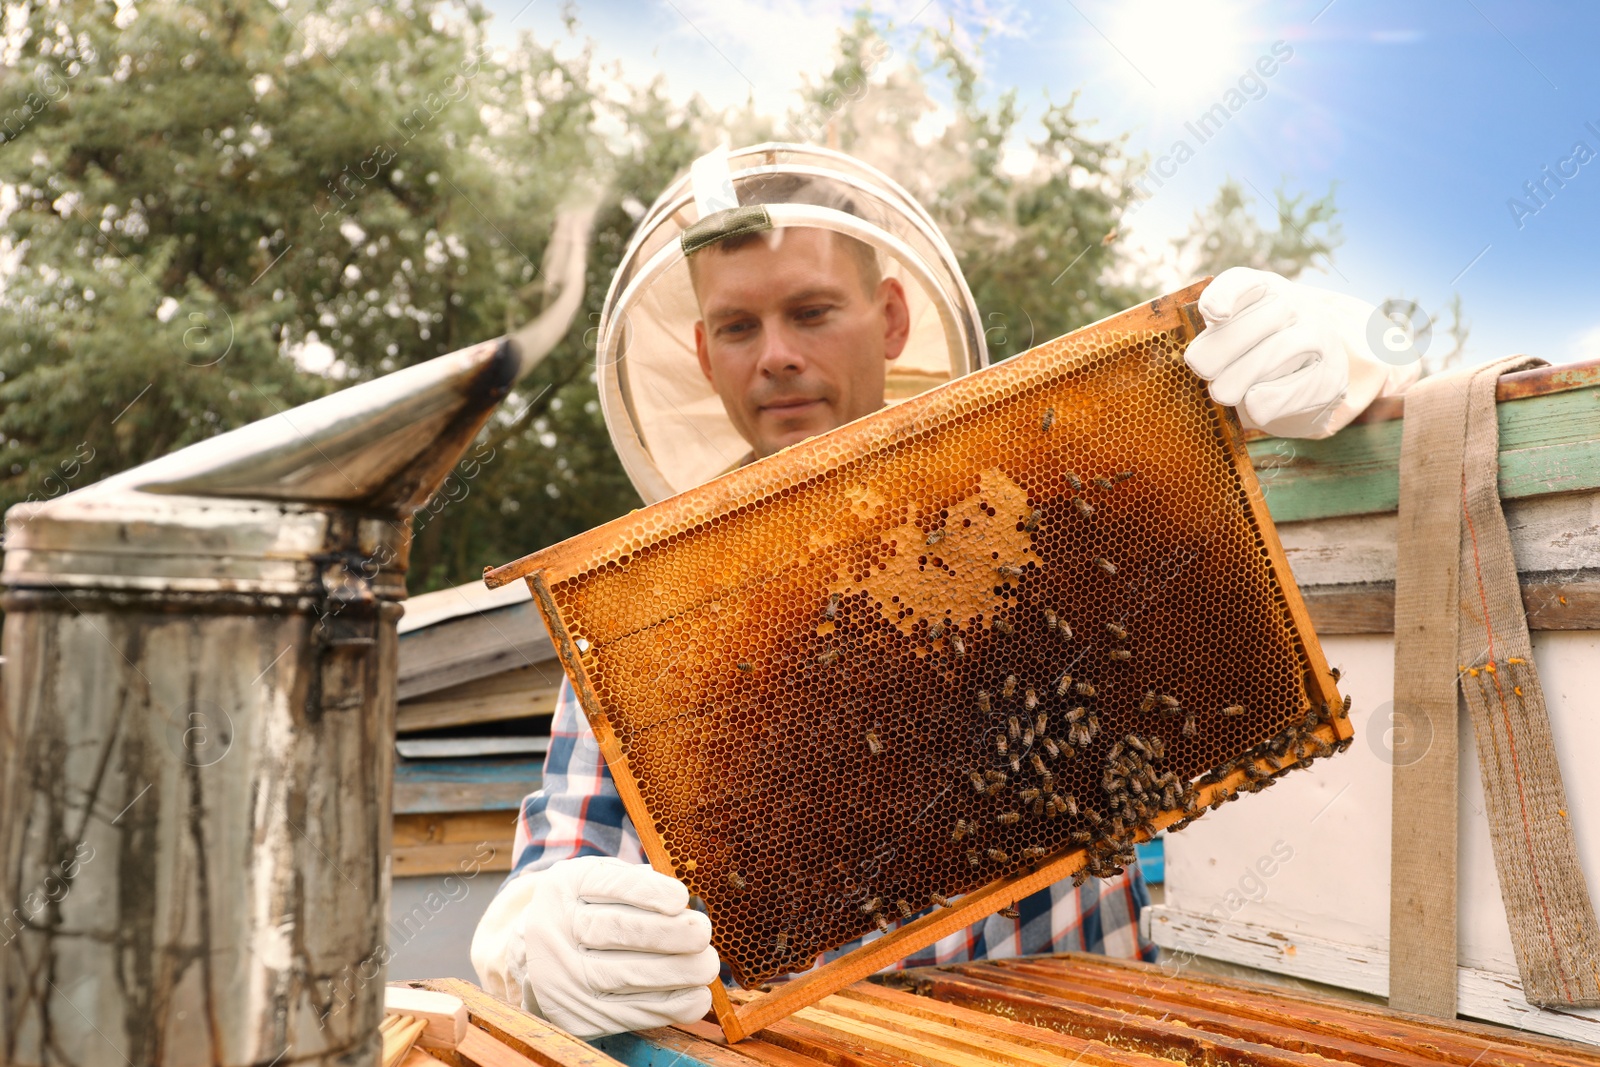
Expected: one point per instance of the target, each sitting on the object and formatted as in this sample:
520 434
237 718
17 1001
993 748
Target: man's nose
780 355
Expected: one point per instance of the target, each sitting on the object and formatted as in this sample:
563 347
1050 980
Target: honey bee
1002 626
1033 852
1048 421
1335 673
1029 795
736 880
1051 747
1233 710
1072 480
1083 689
958 645
1081 837
1009 912
1013 727
780 944
936 630
1075 714
960 830
997 855
1169 702
1102 483
1000 744
1016 763
1149 702
1158 750
972 857
934 537
1030 699
1117 630
1050 620
942 900
1048 782
1027 738
995 777
1136 743
978 784
1081 876
882 923
1038 764
828 656
1344 709
1122 477
1064 630
1008 571
1189 728
985 704
1117 748
746 666
904 907
1063 684
1069 804
873 744
1041 722
1008 818
1121 655
833 606
871 905
1085 508
1031 523
1008 688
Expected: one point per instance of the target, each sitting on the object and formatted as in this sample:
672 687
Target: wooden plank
1019 1041
1548 443
1480 994
444 1017
910 1046
1368 607
471 647
417 860
481 1050
1450 1042
513 694
531 1038
673 1047
479 784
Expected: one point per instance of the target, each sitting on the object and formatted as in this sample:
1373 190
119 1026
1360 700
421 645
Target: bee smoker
196 737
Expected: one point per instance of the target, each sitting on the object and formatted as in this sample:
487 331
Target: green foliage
1227 234
223 210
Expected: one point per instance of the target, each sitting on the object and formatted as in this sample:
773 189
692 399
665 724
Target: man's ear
700 349
896 317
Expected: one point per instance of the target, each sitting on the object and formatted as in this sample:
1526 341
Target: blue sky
1428 118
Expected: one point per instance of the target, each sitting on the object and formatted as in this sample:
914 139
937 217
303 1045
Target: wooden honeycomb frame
653 616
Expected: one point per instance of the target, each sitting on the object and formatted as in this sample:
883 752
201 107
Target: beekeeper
771 294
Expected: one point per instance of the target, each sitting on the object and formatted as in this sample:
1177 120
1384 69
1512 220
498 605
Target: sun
1185 52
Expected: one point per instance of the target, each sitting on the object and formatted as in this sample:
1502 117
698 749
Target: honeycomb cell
1032 612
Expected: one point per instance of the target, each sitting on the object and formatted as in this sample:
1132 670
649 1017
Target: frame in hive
901 675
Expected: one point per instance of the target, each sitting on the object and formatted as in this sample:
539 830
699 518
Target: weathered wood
512 694
1549 443
515 1031
481 784
472 647
446 843
1368 608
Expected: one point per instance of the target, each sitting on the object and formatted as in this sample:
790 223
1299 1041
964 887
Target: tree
1227 234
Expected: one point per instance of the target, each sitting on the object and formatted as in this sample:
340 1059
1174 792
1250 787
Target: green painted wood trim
1548 444
637 1051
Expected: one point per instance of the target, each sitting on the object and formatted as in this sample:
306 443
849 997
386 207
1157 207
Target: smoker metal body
196 735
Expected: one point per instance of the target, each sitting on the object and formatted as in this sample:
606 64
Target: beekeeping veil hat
666 421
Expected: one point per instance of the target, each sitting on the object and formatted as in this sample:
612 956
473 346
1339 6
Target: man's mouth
788 405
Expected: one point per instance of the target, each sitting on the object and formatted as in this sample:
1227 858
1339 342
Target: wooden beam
1549 443
1368 607
446 843
478 784
512 694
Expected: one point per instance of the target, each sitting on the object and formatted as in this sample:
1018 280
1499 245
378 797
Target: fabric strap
1460 627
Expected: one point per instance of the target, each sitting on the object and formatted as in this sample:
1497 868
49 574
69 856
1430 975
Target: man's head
797 327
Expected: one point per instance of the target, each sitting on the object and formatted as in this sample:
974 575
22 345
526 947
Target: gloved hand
1295 360
597 946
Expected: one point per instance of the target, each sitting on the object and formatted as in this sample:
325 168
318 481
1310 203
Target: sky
1430 120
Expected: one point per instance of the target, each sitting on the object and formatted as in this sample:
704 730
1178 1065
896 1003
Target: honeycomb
1026 613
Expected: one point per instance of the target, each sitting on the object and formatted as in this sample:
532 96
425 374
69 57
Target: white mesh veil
666 421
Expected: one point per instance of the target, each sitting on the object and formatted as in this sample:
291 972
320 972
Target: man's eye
811 314
736 329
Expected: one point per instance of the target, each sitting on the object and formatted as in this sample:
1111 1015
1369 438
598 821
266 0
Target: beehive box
964 647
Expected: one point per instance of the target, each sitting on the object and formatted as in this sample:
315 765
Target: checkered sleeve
576 810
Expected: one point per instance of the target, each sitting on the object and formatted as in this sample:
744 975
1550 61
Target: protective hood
667 423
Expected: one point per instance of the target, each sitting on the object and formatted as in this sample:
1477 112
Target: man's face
790 338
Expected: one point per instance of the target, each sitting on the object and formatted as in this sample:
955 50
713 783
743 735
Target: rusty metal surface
1020 618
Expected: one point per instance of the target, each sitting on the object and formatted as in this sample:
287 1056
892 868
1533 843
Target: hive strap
1459 622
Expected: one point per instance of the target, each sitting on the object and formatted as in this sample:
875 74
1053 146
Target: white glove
597 946
1295 360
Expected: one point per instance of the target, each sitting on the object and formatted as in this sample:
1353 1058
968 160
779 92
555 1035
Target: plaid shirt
578 813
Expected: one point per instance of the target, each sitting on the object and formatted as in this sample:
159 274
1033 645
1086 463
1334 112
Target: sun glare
1184 51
